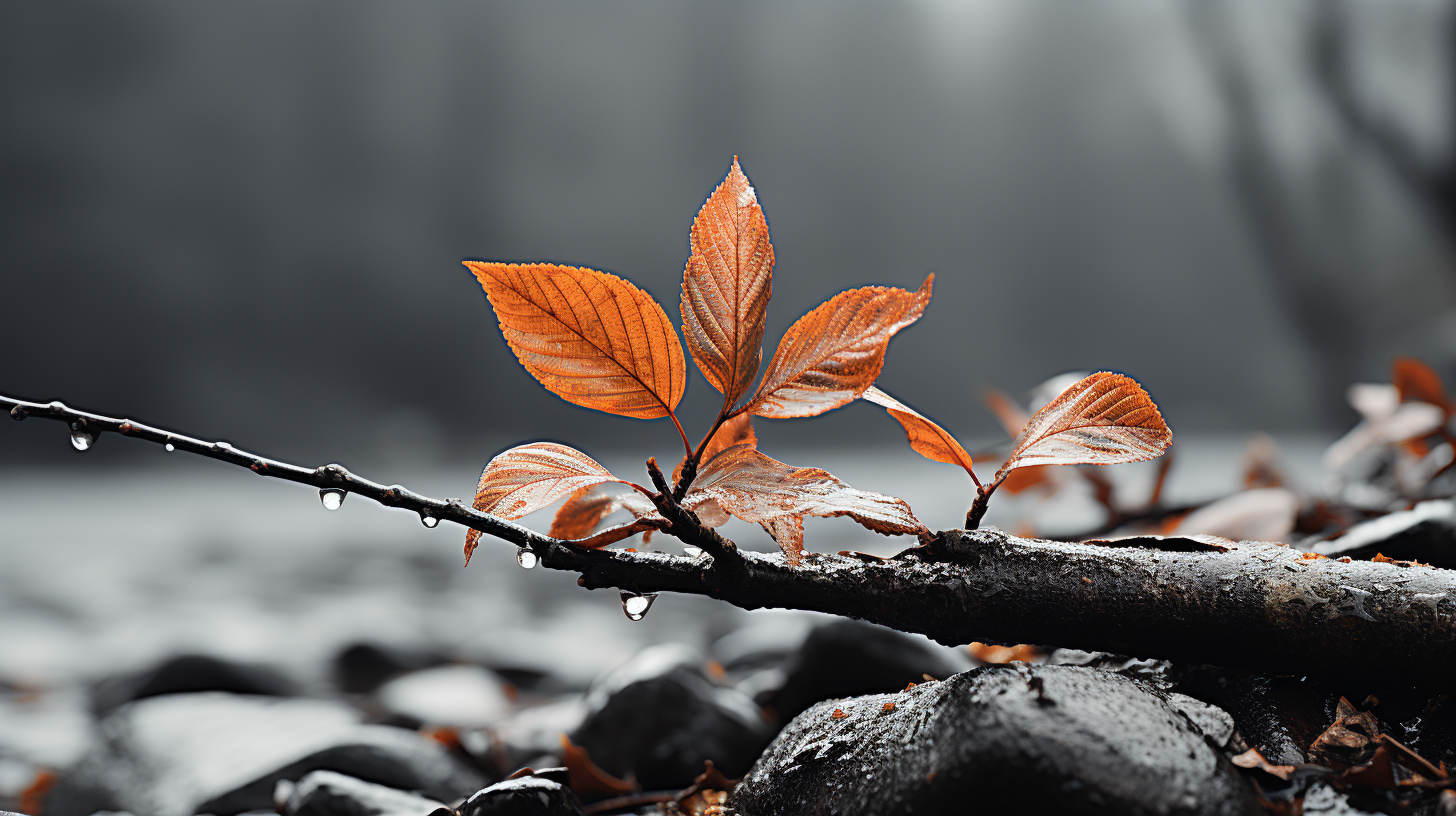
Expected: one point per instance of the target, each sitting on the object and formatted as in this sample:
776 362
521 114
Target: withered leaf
926 438
1417 382
528 477
1102 419
832 354
591 338
726 286
1253 759
758 489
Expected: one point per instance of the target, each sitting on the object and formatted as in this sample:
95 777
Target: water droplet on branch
635 606
332 498
428 520
526 558
81 440
170 448
18 413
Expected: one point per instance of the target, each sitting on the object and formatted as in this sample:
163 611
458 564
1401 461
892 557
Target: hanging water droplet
635 606
332 498
170 448
692 552
80 440
18 413
526 558
428 520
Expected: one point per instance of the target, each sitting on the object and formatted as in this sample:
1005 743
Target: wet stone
1001 739
326 793
190 673
523 796
658 717
847 658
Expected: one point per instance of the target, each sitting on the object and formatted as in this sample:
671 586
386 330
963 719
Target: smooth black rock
190 673
848 658
523 796
1425 533
1281 716
325 793
658 717
364 667
999 739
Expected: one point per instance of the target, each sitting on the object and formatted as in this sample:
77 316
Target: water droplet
332 498
170 448
526 558
635 606
18 413
692 552
428 520
81 440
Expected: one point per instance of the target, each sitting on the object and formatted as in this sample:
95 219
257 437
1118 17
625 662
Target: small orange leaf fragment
1103 419
591 338
888 707
832 354
726 286
839 714
987 653
588 780
1417 382
926 438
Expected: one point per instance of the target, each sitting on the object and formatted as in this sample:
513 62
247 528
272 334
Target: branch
1253 605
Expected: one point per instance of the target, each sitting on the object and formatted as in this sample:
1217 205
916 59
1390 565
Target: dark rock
325 793
1000 739
1281 716
658 717
847 658
1425 533
180 754
190 673
523 796
1160 674
364 667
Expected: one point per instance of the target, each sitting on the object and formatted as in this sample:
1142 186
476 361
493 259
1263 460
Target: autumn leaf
1417 382
591 338
737 430
726 286
587 508
1102 419
832 354
528 477
926 438
758 489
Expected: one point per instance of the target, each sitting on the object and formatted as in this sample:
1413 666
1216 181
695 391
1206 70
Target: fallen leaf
832 354
926 438
757 489
1253 759
1349 739
1264 514
726 286
838 714
1102 419
589 781
987 653
591 338
1415 381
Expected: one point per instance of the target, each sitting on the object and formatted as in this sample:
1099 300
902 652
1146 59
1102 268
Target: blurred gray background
245 220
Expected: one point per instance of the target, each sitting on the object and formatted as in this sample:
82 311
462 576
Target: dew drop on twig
81 440
635 606
332 497
526 558
170 447
428 520
18 413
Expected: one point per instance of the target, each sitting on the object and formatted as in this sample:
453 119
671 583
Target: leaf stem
687 446
983 498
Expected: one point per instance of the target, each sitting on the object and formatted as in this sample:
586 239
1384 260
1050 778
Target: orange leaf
757 489
726 286
1418 382
591 338
526 478
1024 479
585 510
832 354
1103 419
735 431
926 438
587 779
788 533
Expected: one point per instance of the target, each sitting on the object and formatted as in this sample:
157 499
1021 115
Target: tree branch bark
1254 605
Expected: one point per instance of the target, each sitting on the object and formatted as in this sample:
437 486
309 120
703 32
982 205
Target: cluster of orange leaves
598 341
